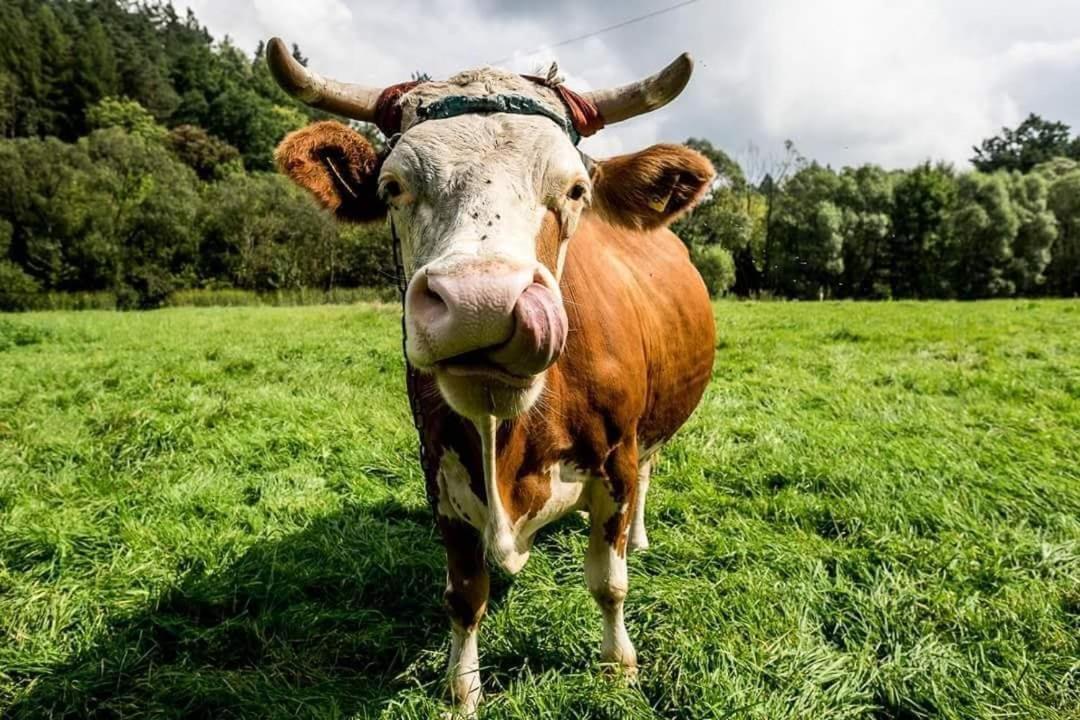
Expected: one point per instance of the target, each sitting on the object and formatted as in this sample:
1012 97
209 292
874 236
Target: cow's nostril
433 297
426 302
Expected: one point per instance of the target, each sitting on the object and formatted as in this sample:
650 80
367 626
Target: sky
848 81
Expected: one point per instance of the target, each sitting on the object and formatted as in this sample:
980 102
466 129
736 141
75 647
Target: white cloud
849 81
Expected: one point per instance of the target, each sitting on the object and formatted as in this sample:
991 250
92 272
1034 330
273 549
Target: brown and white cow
559 331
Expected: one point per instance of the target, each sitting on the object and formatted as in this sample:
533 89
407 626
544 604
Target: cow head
484 187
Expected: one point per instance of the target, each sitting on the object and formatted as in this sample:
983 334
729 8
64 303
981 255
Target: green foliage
220 513
262 233
982 227
17 289
918 244
728 223
716 266
1034 141
121 213
865 200
1036 234
211 158
127 114
156 185
1063 200
806 231
61 58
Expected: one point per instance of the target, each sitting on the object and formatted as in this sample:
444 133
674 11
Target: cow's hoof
627 674
460 712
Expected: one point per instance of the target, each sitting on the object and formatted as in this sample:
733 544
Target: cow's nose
466 306
480 307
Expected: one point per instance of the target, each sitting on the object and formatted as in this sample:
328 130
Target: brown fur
652 188
548 240
310 156
638 357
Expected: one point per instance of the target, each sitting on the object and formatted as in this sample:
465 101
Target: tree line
136 159
803 230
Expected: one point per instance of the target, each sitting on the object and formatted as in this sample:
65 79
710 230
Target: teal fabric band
455 105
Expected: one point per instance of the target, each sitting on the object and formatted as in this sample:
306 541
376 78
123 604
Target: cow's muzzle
496 321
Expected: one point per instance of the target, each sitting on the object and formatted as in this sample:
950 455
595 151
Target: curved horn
352 101
638 98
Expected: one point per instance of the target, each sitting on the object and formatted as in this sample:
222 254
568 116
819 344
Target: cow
556 333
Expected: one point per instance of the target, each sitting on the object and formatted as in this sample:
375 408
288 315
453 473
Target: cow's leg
639 539
466 601
610 505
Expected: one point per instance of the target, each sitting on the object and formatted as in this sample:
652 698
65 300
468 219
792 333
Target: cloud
849 81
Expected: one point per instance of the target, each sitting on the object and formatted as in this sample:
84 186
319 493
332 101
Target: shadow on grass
332 620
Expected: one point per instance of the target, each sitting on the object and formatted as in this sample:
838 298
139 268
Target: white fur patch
457 500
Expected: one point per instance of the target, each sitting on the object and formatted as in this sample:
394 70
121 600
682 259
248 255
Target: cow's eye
391 189
577 191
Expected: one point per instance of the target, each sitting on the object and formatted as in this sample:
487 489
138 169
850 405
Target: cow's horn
351 101
638 98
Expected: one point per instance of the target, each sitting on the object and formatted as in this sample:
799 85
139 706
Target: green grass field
218 513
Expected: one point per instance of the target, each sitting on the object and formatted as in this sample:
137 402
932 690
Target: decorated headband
584 118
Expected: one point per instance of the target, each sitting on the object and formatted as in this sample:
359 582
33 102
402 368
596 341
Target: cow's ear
337 165
651 188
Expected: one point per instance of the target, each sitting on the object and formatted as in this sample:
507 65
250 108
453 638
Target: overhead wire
600 31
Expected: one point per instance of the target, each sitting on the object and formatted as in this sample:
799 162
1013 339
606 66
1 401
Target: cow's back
642 334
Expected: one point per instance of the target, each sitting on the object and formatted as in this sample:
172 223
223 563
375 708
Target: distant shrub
17 289
716 266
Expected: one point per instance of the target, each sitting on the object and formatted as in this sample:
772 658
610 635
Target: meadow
218 513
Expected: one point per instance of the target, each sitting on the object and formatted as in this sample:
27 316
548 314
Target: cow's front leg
466 601
639 538
605 569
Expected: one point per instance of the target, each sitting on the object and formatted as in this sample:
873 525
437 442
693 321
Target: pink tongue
539 333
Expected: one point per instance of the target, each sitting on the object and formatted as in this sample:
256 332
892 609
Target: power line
603 30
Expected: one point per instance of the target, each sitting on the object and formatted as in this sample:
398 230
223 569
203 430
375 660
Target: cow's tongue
539 333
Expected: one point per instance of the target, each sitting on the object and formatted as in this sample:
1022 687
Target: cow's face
484 205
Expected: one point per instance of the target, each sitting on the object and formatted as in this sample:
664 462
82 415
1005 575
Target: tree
112 212
127 114
155 206
211 158
95 71
1032 142
262 233
865 198
918 244
732 216
716 267
774 174
1035 234
1063 200
17 289
982 225
806 234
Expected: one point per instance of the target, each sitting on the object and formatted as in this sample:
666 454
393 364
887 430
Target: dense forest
136 161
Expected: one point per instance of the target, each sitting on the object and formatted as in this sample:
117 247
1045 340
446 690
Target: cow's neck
499 535
509 488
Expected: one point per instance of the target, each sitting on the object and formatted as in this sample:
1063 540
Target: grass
218 513
212 297
232 297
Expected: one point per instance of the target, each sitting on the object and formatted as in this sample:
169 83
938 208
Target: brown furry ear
651 188
337 165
